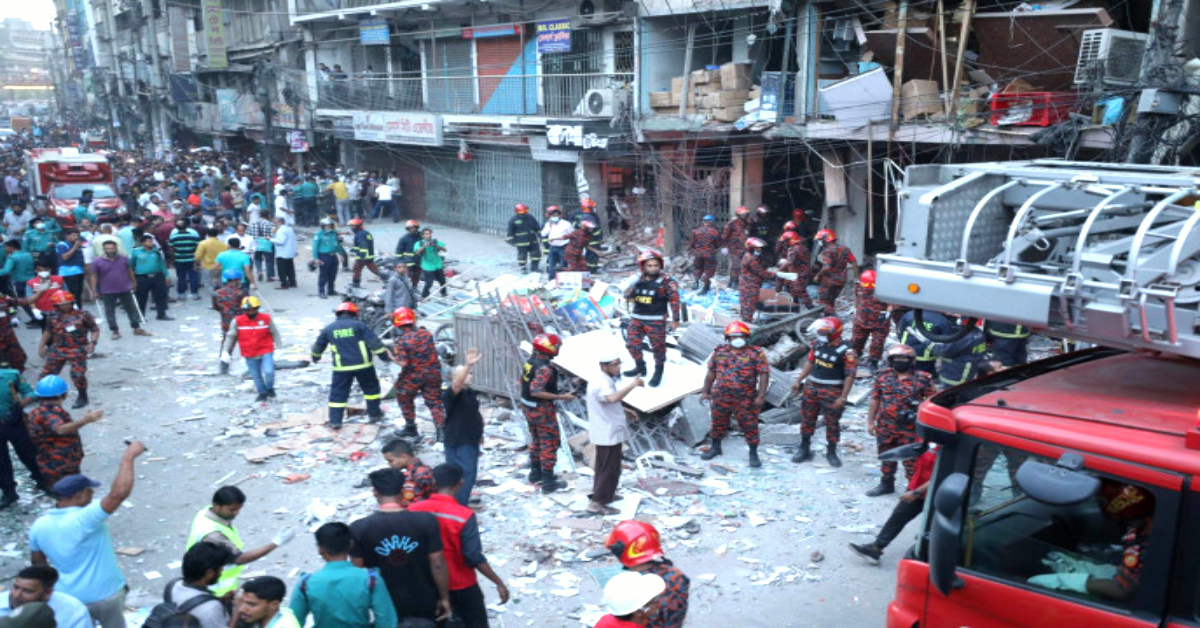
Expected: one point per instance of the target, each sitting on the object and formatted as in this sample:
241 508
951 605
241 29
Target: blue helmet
51 386
232 274
709 218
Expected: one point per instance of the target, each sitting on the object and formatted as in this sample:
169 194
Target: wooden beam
898 70
958 61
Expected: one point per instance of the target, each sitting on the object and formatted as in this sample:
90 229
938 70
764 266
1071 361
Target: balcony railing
533 95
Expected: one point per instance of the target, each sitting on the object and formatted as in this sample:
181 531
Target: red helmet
829 325
412 224
347 306
762 210
790 226
741 211
553 208
737 328
62 296
754 243
587 225
588 203
867 279
403 316
649 255
789 237
1126 501
547 344
826 235
634 543
355 222
521 208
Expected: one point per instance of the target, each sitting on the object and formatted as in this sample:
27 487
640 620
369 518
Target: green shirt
326 242
233 259
38 241
18 267
341 595
147 262
80 212
307 189
25 390
430 260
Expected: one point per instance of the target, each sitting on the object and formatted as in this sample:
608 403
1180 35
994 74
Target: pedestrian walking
638 547
73 537
284 240
282 207
554 233
733 242
264 250
737 372
523 234
703 247
228 303
631 600
69 254
35 584
539 392
831 279
341 198
234 258
183 241
260 605
826 380
326 248
654 298
429 254
112 278
420 372
214 524
15 394
363 251
892 413
607 430
256 336
340 594
20 268
415 571
464 424
206 257
463 548
150 270
69 338
353 344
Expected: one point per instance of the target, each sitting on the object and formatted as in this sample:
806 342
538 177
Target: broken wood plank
588 525
684 469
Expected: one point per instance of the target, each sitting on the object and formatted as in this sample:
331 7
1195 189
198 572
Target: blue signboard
554 36
373 31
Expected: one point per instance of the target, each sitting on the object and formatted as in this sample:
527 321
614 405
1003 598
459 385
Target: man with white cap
607 430
629 598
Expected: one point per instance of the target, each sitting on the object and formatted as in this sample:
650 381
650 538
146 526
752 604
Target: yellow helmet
250 302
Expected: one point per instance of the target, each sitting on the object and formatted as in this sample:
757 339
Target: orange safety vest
254 335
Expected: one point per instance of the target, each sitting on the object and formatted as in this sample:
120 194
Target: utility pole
265 86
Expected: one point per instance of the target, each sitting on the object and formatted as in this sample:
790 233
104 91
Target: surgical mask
554 219
39 226
44 274
757 253
901 366
738 343
822 339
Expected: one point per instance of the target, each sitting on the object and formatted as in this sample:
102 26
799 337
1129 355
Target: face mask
757 253
901 366
554 219
738 343
822 339
44 274
39 227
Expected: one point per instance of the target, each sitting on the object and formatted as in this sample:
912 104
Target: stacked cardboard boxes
719 94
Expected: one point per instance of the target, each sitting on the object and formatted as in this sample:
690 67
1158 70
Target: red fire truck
1066 491
62 175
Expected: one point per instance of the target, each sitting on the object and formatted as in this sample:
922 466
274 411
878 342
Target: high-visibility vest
254 335
203 526
285 618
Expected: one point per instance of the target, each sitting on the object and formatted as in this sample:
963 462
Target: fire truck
61 175
1066 491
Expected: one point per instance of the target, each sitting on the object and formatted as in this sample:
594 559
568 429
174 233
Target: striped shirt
185 243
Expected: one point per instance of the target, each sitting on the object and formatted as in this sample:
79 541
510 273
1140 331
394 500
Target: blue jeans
381 206
556 260
467 457
262 371
187 276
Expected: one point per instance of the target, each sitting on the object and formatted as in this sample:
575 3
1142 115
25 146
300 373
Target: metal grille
558 186
451 77
503 178
563 93
948 220
690 193
450 189
498 370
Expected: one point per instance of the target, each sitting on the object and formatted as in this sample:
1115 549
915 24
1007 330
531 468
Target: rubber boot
224 369
9 499
713 451
81 400
409 431
639 369
550 483
535 471
696 285
831 456
887 486
874 366
754 461
658 373
440 434
805 452
707 287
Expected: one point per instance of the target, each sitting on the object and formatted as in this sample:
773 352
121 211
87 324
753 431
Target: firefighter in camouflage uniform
754 273
70 337
637 546
653 297
797 259
832 277
579 248
11 352
523 233
420 372
587 213
539 391
892 415
827 377
705 242
870 320
228 302
737 373
733 239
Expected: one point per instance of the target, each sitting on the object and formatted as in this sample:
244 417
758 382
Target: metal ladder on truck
1103 253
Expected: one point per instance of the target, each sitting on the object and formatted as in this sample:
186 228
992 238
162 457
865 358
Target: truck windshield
1093 549
72 191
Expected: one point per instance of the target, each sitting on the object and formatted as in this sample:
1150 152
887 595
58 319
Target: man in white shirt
281 207
556 231
607 430
383 201
36 584
284 240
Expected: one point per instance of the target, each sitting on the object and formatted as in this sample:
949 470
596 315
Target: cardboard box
730 98
755 92
919 98
727 114
660 99
704 77
735 75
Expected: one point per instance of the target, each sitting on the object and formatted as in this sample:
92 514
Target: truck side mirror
944 543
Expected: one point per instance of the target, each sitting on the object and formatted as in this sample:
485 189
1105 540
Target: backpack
167 608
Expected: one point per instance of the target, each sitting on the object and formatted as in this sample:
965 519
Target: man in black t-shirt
406 548
464 425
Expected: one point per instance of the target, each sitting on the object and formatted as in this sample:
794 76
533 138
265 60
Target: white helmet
629 590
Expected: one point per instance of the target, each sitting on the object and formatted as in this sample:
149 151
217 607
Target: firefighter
352 344
737 372
523 231
654 296
11 352
960 360
797 259
637 546
364 251
870 320
406 250
832 277
69 338
705 242
754 273
539 391
760 228
1008 342
579 248
587 213
892 415
827 377
227 301
914 336
420 372
733 239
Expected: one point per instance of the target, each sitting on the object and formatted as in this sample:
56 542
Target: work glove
787 276
724 251
225 357
283 537
1076 582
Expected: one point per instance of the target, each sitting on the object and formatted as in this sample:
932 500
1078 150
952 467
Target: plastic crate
1044 108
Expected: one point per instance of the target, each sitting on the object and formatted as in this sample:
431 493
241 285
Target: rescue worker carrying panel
353 344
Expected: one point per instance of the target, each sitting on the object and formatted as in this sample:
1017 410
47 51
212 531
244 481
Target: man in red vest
463 549
256 336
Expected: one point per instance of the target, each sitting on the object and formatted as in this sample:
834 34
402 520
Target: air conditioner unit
600 12
1110 57
605 102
